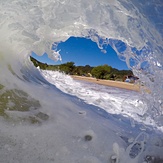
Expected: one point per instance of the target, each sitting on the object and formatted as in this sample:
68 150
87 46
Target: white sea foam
39 123
112 100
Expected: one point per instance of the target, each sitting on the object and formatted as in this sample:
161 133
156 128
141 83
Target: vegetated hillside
100 72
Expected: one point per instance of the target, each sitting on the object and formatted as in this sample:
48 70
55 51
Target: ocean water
47 116
112 100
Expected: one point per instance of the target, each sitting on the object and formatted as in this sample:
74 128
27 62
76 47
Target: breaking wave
36 117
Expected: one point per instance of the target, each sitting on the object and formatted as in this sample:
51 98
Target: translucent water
39 123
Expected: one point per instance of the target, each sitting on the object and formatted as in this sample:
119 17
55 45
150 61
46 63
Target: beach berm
117 84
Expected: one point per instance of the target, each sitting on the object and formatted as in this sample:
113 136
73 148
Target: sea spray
35 26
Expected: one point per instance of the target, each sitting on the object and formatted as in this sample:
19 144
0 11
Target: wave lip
40 25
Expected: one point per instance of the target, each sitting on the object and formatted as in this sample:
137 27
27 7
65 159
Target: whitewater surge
40 123
112 100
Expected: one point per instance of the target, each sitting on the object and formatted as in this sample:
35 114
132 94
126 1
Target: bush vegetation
99 72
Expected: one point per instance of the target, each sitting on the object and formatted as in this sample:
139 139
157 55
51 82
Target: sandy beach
117 84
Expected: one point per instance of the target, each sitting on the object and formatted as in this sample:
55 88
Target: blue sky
83 52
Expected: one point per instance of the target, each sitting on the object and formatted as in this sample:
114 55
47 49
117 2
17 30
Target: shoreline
117 84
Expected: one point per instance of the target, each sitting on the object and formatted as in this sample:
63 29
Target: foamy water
39 122
113 100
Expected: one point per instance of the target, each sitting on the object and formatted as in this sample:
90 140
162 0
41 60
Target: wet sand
117 84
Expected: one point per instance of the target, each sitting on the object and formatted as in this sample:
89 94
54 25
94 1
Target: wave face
112 100
39 123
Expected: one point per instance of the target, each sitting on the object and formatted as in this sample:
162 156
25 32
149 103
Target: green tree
78 70
40 64
68 67
100 72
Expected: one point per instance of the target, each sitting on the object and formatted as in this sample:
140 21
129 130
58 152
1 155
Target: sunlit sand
118 84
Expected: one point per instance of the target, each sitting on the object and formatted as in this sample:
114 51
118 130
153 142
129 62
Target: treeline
99 72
